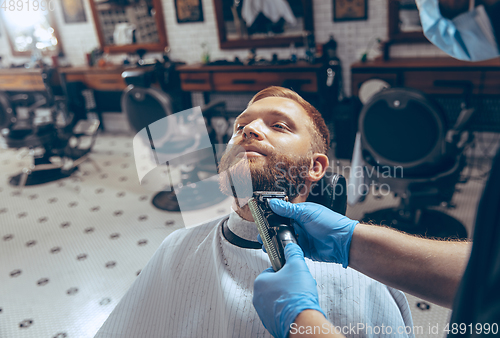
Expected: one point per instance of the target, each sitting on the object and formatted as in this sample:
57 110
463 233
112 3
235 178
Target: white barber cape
198 284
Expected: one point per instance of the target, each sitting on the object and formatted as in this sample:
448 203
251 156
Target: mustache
233 149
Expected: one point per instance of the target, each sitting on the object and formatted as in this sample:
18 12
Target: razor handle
276 231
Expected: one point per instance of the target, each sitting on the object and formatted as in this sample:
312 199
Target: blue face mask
467 37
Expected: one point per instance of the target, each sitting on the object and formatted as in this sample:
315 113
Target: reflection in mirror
409 19
30 30
125 22
257 19
403 25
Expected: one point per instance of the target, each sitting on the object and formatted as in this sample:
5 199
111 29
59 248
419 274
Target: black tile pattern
15 273
26 323
60 335
81 240
42 281
81 257
110 264
30 243
55 250
65 224
72 291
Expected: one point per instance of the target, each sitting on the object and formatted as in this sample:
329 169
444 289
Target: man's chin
241 176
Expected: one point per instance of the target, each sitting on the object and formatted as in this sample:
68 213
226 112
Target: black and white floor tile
70 249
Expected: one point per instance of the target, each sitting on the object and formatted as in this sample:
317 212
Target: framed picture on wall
188 11
73 11
348 10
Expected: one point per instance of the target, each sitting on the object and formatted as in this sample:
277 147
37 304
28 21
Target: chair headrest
136 101
403 127
331 192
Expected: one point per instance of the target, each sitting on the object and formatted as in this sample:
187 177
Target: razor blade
275 231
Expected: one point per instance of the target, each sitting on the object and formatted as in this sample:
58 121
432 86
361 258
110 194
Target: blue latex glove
323 234
279 297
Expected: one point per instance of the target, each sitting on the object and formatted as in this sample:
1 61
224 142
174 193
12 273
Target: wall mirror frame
132 48
396 32
51 21
273 41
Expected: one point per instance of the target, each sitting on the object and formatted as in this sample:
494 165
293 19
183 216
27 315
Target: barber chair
144 105
330 191
405 145
39 122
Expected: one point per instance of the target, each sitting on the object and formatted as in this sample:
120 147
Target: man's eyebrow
276 113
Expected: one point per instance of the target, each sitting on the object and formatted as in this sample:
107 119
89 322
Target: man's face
273 137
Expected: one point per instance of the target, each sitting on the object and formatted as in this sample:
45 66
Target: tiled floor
70 249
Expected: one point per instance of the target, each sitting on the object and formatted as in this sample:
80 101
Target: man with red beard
200 281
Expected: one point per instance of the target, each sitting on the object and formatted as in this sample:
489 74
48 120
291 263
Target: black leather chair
40 122
146 108
406 146
330 191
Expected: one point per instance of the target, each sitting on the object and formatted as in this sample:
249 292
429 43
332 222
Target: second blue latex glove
279 297
323 234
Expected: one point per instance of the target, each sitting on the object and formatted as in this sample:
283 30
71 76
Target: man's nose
253 130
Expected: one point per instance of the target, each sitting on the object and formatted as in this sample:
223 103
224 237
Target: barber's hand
279 297
323 234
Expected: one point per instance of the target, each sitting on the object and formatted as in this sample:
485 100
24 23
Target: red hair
320 132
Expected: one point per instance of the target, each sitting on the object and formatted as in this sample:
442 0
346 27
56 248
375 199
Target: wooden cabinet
196 81
301 77
431 75
446 79
20 79
105 79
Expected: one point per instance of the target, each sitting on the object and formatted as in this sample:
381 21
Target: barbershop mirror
30 28
404 22
124 26
263 23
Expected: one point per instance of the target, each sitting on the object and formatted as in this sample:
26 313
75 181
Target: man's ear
319 164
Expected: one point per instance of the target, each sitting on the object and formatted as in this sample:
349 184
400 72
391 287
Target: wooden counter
230 78
98 78
428 75
21 79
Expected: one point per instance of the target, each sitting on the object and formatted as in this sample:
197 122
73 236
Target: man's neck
243 212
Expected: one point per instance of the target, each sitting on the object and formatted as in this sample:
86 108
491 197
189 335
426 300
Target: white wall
185 39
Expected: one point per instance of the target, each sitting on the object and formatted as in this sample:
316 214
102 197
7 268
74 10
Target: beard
240 177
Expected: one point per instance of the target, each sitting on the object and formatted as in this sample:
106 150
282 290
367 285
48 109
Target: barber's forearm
426 268
312 324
